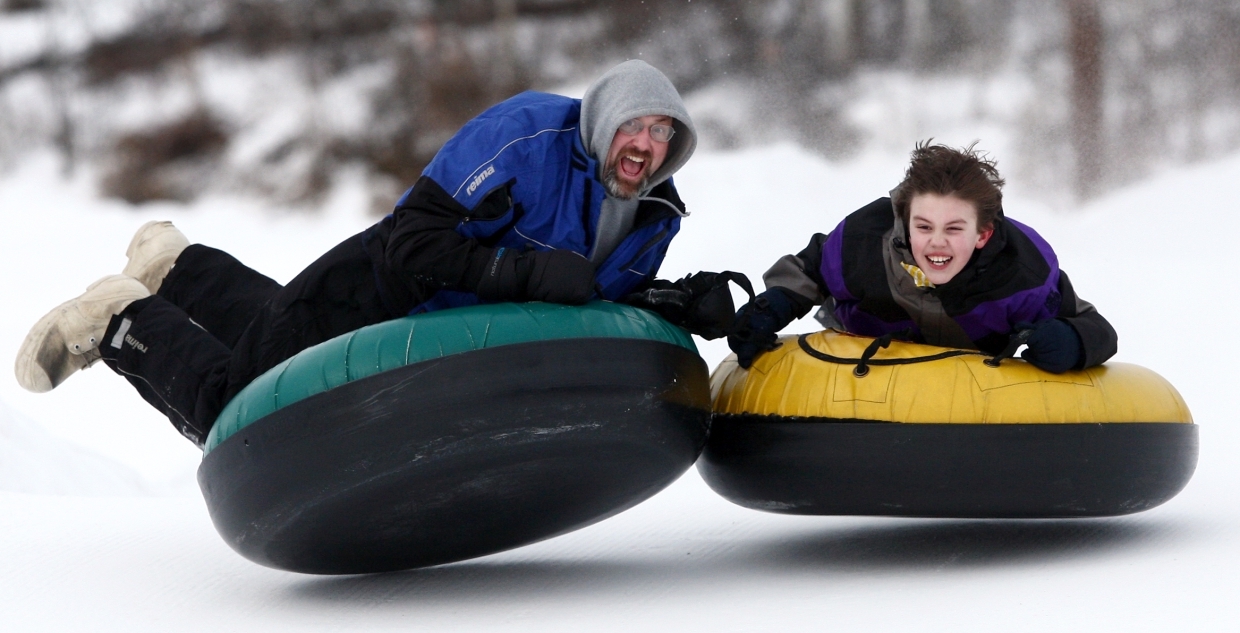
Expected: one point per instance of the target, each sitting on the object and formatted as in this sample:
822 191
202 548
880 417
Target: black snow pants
215 325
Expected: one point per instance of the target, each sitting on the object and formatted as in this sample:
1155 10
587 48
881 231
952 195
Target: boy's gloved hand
555 276
1053 346
756 324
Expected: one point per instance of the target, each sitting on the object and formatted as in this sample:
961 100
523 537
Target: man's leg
175 365
336 294
189 375
217 291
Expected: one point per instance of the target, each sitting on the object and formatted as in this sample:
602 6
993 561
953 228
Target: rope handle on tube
867 359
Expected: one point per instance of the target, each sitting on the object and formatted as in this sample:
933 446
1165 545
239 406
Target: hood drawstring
683 214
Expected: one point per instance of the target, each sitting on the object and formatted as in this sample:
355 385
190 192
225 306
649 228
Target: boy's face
943 234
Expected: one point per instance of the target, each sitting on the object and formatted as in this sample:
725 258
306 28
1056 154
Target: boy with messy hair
937 259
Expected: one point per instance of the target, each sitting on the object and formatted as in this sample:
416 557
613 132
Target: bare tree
1168 68
1085 54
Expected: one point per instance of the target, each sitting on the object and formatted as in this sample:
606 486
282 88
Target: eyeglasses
660 132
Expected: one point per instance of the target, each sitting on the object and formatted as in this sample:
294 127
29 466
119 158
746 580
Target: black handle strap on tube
737 278
867 359
1014 343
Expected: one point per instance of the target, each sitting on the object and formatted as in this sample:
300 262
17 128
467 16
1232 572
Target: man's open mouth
631 166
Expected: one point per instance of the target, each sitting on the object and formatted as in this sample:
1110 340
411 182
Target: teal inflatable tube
454 434
386 346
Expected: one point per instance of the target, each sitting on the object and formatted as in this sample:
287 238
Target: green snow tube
454 434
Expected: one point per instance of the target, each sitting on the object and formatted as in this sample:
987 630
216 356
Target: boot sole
44 360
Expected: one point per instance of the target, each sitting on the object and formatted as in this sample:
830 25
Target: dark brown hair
964 173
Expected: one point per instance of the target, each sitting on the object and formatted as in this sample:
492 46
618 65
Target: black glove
1053 346
757 322
560 276
700 303
555 276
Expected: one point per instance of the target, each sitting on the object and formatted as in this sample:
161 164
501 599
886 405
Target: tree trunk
841 19
1085 54
917 33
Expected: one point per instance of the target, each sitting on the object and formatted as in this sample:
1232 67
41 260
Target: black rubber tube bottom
833 467
459 457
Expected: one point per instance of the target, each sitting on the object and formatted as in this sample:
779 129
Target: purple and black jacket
856 271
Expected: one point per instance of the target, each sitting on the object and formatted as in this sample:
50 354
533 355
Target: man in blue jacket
540 198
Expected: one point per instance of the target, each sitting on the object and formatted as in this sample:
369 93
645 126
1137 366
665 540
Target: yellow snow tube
954 386
833 423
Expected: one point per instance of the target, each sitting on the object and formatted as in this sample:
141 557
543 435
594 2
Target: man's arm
424 246
425 249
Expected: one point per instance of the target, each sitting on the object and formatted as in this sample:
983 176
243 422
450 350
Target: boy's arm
1099 340
798 275
793 287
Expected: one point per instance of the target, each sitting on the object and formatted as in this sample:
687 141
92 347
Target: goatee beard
621 190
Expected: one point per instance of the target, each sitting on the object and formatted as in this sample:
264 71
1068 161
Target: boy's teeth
938 260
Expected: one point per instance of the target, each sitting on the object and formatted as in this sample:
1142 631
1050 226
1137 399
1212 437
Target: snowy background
102 527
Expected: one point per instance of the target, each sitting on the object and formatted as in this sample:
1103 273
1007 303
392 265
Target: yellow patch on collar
918 275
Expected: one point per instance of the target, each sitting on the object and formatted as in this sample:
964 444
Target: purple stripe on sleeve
1000 316
1032 305
832 267
1044 247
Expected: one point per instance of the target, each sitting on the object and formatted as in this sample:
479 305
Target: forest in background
166 100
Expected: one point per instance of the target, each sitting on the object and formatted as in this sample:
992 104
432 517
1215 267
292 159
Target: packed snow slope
1155 259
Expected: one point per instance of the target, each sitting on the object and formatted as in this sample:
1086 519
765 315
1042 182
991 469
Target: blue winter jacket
516 176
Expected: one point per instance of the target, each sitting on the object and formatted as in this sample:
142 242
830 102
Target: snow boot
67 338
152 252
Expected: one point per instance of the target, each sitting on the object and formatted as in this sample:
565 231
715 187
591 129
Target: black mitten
669 299
559 276
1053 346
701 303
711 312
555 276
505 277
757 324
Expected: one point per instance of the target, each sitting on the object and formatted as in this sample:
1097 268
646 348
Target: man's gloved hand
757 323
555 276
669 298
1053 345
700 303
559 276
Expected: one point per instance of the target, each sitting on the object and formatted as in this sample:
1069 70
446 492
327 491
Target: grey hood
630 90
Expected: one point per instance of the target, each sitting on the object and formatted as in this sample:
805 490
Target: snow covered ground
102 528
